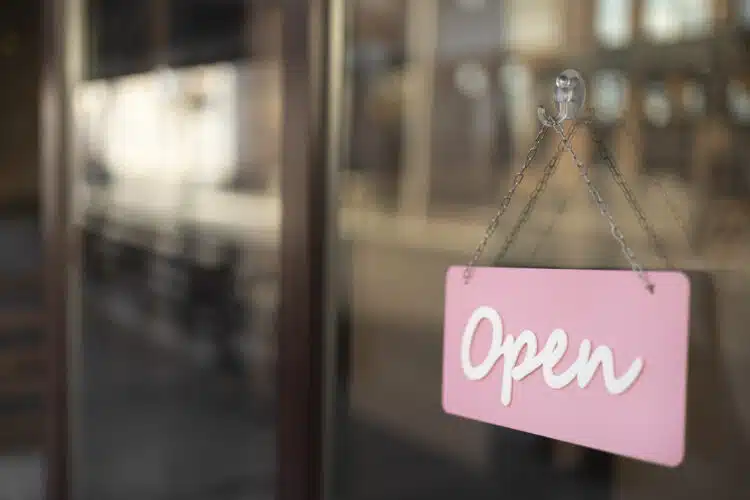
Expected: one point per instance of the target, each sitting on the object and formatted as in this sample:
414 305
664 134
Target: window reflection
743 12
738 100
518 82
673 20
694 98
169 126
656 104
468 29
471 79
609 89
534 25
472 5
613 22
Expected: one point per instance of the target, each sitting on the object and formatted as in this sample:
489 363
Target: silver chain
604 210
670 205
549 170
495 221
619 178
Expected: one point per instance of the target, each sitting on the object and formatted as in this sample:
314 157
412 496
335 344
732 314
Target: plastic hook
569 96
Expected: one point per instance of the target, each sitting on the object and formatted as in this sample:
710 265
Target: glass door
165 123
434 115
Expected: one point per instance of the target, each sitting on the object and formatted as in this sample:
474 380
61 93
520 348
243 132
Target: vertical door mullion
304 232
56 237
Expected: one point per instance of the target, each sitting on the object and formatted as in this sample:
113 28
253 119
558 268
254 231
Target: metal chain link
670 205
495 221
619 179
604 210
549 170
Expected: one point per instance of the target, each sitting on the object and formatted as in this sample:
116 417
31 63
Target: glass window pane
430 148
176 187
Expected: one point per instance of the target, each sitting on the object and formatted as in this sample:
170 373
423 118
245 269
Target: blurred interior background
176 139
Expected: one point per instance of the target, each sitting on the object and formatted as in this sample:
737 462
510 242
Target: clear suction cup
570 97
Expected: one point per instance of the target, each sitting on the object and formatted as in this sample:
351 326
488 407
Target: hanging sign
584 356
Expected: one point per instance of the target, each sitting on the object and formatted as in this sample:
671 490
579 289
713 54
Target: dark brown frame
303 248
54 120
304 232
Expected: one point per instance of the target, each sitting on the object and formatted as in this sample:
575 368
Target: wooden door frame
54 120
305 227
304 236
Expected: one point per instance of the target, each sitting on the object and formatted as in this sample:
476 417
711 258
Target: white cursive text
506 346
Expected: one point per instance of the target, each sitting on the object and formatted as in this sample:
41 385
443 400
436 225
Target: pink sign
583 356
